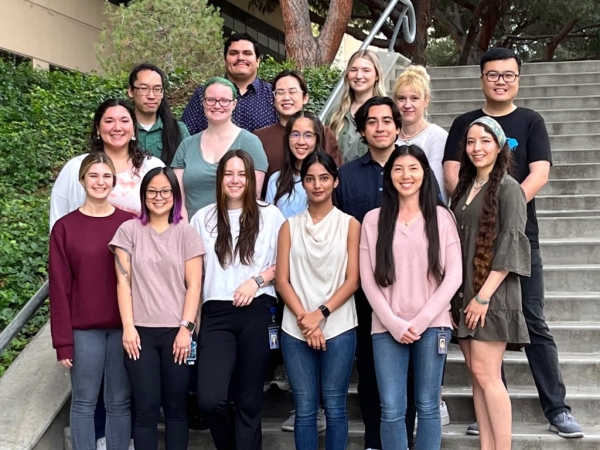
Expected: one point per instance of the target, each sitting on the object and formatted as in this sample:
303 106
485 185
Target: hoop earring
133 138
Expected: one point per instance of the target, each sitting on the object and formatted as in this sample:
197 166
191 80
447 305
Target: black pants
156 380
234 341
368 392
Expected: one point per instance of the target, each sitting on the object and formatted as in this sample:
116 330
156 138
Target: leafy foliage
172 34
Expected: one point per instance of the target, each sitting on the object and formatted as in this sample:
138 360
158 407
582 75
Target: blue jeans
98 355
391 366
313 373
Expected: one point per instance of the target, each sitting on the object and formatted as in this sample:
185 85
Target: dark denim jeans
325 374
542 352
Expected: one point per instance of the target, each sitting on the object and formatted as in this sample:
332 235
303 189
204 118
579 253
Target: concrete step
588 167
567 213
569 227
572 187
571 251
552 114
574 306
576 141
525 437
577 369
560 90
565 67
563 202
575 155
551 79
577 337
570 128
536 103
576 278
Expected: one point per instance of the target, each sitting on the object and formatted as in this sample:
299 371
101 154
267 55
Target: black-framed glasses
164 193
508 77
145 90
308 136
224 102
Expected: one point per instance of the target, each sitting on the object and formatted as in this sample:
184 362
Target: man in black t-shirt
500 71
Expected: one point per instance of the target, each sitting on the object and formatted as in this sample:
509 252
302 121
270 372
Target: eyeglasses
308 136
509 77
145 90
224 102
280 93
164 193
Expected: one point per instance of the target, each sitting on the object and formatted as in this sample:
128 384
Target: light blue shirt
289 205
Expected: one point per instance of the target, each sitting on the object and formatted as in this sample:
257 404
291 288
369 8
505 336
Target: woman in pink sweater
410 268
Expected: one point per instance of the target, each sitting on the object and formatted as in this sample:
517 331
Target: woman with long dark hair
159 272
240 236
410 269
490 209
303 136
114 132
317 275
84 312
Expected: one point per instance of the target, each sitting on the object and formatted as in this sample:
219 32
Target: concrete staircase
568 97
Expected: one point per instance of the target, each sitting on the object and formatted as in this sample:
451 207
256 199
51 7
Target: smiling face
500 91
412 105
289 98
241 62
159 206
146 104
98 181
302 139
380 130
218 113
319 183
116 128
234 182
482 149
362 76
407 176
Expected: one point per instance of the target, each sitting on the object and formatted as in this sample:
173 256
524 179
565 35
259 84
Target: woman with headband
490 210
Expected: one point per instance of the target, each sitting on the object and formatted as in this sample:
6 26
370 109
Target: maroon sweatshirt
83 280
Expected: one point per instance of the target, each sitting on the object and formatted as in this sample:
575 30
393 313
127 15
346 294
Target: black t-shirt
527 127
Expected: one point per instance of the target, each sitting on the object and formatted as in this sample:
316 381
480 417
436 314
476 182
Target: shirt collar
158 125
255 85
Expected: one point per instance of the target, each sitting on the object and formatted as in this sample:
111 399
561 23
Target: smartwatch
259 280
190 326
325 310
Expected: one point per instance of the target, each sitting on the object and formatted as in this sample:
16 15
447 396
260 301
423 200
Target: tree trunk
301 45
556 40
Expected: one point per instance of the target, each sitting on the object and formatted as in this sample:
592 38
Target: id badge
442 343
274 336
191 359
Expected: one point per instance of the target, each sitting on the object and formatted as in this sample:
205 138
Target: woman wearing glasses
159 272
198 156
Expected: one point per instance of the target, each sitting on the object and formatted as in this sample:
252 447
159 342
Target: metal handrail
407 21
23 316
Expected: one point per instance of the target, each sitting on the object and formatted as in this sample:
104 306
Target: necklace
407 222
406 138
478 184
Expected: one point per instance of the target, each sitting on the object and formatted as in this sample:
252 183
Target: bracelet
481 301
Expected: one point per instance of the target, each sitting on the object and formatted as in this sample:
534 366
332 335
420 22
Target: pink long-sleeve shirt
414 299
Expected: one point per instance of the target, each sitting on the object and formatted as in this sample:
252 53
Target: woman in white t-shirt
114 133
240 237
317 275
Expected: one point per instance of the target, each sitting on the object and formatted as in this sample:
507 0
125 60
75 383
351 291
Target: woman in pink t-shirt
410 268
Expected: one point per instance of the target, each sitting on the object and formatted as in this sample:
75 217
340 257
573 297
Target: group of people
182 263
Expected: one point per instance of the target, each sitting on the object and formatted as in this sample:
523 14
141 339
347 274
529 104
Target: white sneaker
280 378
321 422
101 444
131 446
288 424
444 414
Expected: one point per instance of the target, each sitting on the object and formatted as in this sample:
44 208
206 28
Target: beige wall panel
274 19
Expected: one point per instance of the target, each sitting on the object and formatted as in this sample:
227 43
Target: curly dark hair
482 263
136 155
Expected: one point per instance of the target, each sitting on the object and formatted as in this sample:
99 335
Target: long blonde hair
336 122
417 78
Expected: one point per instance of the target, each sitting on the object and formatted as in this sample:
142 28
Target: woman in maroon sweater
84 312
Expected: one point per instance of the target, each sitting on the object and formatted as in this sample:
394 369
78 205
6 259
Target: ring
186 350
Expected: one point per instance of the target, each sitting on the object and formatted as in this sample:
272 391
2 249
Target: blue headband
494 126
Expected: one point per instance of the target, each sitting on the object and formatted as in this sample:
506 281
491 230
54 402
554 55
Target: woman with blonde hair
363 79
412 93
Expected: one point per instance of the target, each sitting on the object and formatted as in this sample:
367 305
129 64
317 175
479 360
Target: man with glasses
158 131
254 107
500 72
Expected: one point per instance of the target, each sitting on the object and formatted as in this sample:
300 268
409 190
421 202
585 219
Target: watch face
260 279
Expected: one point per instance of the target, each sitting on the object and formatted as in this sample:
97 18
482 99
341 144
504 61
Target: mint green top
199 176
350 141
151 140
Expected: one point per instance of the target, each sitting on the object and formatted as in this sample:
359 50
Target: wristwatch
190 326
259 280
325 310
